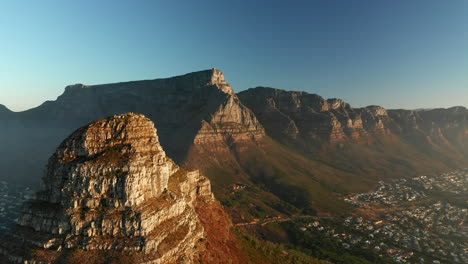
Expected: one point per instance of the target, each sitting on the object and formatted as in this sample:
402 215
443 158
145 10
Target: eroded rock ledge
110 192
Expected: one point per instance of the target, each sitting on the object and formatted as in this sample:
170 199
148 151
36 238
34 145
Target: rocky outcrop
445 129
293 115
203 124
431 120
370 142
299 115
196 112
110 191
200 106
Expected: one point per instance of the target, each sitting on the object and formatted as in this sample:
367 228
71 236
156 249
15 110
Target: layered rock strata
110 189
193 111
203 124
290 114
301 115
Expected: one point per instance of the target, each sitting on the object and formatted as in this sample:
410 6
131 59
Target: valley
278 158
405 221
402 221
234 132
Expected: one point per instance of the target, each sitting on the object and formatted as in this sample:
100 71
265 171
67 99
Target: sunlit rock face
195 108
293 115
194 112
119 155
110 190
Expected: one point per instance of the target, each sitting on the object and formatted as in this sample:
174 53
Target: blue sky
395 53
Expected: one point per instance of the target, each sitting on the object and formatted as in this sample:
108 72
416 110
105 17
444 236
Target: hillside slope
111 195
291 152
372 142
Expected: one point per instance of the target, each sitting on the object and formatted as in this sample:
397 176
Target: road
265 221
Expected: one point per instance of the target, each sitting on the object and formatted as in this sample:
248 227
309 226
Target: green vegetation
307 243
324 247
255 203
261 251
296 180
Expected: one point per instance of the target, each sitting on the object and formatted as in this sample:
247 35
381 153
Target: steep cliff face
288 114
443 129
196 112
111 195
371 142
300 115
431 121
314 146
198 107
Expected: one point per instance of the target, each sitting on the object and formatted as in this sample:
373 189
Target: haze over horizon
396 54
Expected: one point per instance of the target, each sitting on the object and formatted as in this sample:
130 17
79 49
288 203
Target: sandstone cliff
370 143
268 139
196 113
438 124
290 114
111 195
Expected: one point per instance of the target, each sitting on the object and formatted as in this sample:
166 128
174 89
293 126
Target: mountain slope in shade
444 130
293 150
196 112
111 195
371 141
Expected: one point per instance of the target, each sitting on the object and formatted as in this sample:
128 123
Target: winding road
265 221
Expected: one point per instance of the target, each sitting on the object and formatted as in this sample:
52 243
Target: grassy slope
312 244
265 252
292 178
378 159
279 180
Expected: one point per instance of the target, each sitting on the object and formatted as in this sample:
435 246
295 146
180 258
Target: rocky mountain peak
122 146
193 111
335 103
74 88
110 190
292 115
217 79
377 110
188 83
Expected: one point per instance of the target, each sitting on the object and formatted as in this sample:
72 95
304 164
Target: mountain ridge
249 137
111 195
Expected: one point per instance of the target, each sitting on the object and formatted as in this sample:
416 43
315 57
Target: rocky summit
300 115
196 113
111 195
290 146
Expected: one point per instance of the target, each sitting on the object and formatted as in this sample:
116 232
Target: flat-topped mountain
111 195
287 146
195 112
